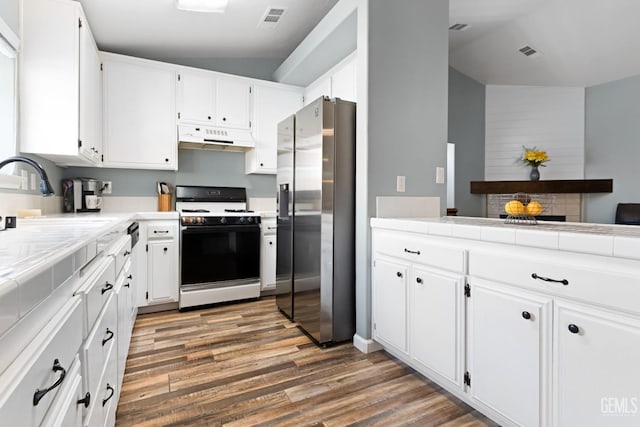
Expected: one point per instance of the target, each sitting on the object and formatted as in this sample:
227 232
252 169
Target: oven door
220 255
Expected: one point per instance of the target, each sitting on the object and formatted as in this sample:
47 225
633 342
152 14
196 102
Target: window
8 95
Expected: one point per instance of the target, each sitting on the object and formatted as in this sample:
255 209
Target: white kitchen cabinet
321 87
343 80
436 321
596 379
389 303
268 263
208 98
233 102
61 86
139 114
66 410
160 283
124 292
508 366
271 104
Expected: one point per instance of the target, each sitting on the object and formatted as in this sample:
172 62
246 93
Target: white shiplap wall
549 118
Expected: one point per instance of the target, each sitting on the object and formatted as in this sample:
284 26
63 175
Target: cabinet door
270 106
435 322
596 373
233 102
268 262
317 89
163 272
390 303
140 121
509 354
196 98
343 81
90 97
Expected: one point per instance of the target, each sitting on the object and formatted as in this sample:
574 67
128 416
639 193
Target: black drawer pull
127 253
411 252
112 390
108 338
107 288
127 285
399 274
574 329
86 400
419 280
130 277
160 231
547 279
526 315
39 394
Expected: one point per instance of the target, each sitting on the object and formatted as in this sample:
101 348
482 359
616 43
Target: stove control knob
223 220
242 220
249 220
198 220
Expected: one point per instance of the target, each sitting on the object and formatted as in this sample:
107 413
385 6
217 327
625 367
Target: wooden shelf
548 186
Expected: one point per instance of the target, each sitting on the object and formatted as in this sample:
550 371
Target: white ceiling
156 29
583 42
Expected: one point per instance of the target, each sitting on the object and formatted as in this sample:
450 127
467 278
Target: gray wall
407 114
196 167
466 131
612 145
257 68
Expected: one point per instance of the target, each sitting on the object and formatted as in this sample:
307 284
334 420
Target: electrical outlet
33 181
400 183
439 175
24 180
107 187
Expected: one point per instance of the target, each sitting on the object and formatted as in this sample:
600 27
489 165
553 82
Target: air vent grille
459 27
529 51
271 17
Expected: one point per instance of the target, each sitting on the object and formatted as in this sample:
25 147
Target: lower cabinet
596 375
66 411
509 332
268 263
389 303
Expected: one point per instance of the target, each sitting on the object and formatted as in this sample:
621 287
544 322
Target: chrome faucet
45 186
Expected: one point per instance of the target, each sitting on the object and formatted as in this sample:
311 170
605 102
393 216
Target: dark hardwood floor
246 364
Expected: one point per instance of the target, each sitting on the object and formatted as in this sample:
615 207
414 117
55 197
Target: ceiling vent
271 17
459 27
529 51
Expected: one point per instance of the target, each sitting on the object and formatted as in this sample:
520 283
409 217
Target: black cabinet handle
130 277
160 231
399 274
107 288
547 279
166 249
39 394
411 252
86 400
127 253
127 285
526 315
208 117
166 160
224 119
261 164
112 390
574 329
270 243
419 279
108 338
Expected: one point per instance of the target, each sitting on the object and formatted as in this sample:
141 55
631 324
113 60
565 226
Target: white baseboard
365 345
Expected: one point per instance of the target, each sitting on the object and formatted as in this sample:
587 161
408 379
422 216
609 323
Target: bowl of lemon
522 208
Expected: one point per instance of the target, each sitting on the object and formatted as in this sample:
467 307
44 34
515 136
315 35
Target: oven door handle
203 229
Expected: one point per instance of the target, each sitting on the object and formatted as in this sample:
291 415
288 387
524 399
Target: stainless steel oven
220 246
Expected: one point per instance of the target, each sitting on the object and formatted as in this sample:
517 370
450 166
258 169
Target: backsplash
10 203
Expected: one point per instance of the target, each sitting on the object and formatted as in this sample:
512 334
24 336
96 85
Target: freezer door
284 251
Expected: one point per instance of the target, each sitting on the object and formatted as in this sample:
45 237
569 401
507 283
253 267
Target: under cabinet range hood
214 138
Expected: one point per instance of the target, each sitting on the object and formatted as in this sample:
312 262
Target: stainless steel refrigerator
321 214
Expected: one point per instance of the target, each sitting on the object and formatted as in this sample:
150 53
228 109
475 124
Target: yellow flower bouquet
534 157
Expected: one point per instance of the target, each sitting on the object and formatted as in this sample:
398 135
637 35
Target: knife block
164 202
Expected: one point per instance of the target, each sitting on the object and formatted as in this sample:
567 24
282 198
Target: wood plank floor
246 364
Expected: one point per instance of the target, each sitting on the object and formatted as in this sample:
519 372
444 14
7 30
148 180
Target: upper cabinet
271 104
139 114
60 77
207 98
338 82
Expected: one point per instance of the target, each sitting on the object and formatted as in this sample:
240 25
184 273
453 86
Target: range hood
214 138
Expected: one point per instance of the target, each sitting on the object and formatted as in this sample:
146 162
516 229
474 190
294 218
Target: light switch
400 183
439 175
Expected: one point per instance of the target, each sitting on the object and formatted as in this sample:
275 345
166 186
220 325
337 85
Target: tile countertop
621 241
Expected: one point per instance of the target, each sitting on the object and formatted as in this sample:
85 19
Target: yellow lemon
533 208
514 207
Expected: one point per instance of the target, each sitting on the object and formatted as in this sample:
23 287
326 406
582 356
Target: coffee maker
75 192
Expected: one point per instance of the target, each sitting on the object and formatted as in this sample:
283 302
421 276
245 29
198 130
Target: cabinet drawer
590 278
162 230
66 410
420 250
121 252
97 290
268 226
32 371
104 403
98 345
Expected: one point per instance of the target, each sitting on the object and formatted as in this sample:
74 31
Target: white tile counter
622 241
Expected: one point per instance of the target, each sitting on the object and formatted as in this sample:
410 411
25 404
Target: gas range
214 206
